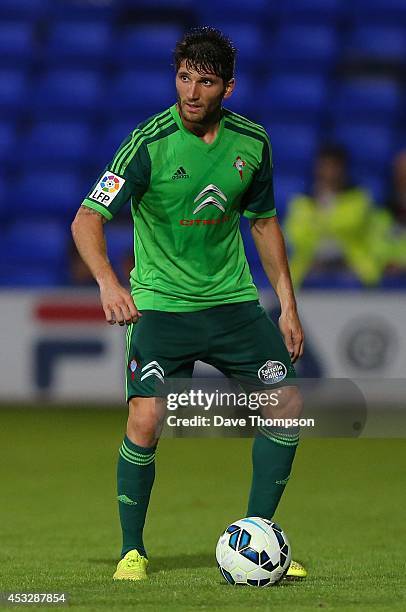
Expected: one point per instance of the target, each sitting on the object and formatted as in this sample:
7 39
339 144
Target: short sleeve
126 177
259 201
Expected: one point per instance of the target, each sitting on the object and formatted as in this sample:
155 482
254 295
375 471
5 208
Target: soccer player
190 172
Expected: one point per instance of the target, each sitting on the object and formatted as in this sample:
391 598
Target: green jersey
186 200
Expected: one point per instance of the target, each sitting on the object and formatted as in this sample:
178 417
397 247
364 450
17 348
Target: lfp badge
272 372
110 183
107 189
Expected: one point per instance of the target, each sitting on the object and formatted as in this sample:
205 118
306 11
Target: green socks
273 452
135 477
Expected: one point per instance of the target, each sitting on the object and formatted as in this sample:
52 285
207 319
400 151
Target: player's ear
229 88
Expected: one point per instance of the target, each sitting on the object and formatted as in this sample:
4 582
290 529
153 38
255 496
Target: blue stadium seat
24 9
16 43
147 44
7 140
249 245
294 148
287 187
158 4
370 148
91 11
28 277
241 99
375 184
72 93
230 11
141 92
294 98
378 43
119 243
400 137
45 263
258 274
3 203
379 11
13 92
47 193
332 280
109 140
46 242
250 41
57 143
312 11
77 44
368 99
303 48
394 281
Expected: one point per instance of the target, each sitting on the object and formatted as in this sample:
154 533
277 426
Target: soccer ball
253 551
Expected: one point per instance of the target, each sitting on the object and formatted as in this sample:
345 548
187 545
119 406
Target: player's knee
289 404
144 421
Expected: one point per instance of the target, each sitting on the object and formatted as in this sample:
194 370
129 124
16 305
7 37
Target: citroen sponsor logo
153 369
194 222
210 199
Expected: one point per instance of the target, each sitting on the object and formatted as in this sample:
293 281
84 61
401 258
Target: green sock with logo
135 477
273 452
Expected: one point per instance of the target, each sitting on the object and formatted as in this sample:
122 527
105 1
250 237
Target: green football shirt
186 200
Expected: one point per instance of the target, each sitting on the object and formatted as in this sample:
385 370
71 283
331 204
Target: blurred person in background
396 205
336 227
396 200
79 274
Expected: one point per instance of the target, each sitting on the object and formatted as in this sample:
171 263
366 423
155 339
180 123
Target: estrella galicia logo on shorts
272 372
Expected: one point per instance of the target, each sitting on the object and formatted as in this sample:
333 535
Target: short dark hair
206 49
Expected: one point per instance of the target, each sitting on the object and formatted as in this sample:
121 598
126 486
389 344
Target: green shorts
238 339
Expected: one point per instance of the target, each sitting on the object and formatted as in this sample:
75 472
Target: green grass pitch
343 511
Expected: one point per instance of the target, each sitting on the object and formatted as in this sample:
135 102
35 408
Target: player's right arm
127 176
88 234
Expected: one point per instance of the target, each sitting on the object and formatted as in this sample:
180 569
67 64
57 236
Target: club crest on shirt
239 165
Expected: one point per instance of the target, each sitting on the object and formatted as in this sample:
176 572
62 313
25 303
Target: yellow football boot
296 570
132 567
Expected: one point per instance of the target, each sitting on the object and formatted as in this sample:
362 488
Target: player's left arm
258 206
271 249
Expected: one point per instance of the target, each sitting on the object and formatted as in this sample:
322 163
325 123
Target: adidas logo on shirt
180 174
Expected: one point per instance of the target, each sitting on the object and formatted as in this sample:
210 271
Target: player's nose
193 91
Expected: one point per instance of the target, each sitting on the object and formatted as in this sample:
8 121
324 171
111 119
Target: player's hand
118 305
292 332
